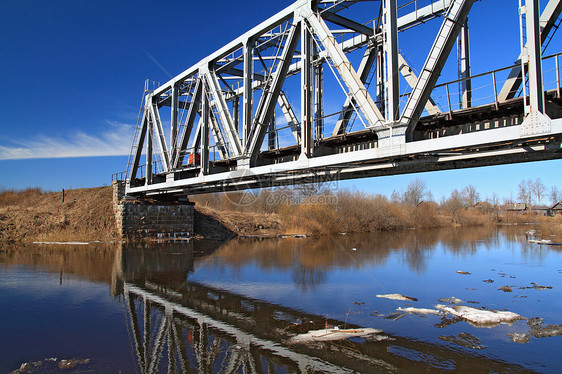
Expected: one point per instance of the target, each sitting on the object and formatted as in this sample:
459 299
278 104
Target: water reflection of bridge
184 326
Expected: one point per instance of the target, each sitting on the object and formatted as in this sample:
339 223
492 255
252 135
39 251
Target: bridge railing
486 87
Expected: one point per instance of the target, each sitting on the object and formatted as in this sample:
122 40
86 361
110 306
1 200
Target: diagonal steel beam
139 148
192 112
548 19
135 327
290 115
411 79
438 54
219 102
158 345
349 76
157 124
347 23
364 68
271 94
217 135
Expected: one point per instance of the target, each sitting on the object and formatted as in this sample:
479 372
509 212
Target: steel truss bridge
233 123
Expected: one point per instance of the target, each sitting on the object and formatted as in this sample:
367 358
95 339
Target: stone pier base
146 219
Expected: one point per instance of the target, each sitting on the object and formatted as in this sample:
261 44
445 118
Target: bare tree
470 196
396 197
415 192
526 192
539 190
554 195
454 203
310 189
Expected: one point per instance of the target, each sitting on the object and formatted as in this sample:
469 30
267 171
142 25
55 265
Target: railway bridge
233 122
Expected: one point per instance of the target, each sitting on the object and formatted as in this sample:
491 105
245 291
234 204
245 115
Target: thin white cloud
115 141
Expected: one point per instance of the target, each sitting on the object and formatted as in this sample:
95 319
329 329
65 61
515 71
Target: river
237 306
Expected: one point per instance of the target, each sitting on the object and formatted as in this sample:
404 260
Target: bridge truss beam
226 150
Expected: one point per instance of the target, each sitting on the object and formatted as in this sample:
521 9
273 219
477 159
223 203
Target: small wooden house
540 210
484 207
556 209
515 207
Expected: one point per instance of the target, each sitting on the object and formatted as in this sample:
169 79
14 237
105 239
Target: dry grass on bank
343 211
550 228
34 215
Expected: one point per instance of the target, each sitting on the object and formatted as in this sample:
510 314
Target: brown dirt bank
87 215
32 215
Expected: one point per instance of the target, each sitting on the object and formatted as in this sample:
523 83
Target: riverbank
87 215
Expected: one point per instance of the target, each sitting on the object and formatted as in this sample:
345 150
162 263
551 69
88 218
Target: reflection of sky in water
43 319
337 290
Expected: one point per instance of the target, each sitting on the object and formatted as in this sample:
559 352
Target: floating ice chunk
479 316
450 300
420 310
325 335
465 340
520 338
397 296
547 331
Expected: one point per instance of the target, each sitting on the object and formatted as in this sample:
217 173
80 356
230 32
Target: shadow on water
180 325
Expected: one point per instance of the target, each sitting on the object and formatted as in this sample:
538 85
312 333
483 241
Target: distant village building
540 210
556 209
484 207
515 208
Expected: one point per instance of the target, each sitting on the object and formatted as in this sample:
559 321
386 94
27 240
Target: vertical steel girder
391 48
248 77
536 92
464 67
319 100
547 21
174 122
306 92
435 61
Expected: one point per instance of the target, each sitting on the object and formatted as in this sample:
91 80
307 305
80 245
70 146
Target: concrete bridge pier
151 218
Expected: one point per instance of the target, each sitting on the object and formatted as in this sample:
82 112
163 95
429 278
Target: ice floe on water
450 300
397 296
325 335
419 310
479 317
465 340
520 338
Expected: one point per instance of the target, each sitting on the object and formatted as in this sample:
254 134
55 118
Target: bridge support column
142 219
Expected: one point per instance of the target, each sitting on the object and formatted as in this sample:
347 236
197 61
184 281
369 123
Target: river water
237 306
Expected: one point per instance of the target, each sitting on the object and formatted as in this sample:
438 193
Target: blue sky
73 74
